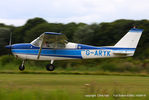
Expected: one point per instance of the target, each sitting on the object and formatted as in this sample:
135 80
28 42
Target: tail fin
131 39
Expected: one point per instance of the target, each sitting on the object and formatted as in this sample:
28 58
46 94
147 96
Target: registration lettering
98 52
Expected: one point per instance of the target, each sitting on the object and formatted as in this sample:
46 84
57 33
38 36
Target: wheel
50 67
21 67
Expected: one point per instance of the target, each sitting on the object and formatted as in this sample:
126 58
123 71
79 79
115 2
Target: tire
21 67
50 67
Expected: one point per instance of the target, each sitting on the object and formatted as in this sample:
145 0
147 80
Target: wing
51 40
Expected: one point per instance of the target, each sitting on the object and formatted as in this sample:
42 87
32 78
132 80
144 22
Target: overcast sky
16 12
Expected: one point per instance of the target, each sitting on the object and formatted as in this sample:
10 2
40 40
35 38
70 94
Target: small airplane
51 46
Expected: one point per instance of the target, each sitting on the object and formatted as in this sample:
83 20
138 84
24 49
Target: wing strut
41 47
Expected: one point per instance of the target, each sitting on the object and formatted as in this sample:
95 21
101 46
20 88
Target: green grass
70 87
120 65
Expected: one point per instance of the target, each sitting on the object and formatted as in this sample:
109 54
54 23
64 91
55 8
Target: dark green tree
38 30
4 40
20 32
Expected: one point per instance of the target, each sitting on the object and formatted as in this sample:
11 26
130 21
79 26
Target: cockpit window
50 41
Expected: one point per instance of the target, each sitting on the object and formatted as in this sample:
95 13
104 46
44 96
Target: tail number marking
97 52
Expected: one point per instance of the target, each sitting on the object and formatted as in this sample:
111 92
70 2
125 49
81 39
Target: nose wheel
22 67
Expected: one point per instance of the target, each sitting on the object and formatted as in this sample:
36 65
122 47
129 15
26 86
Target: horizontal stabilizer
123 52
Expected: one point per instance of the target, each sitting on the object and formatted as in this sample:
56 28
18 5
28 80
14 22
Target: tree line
97 34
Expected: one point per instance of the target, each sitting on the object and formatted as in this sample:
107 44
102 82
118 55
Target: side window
55 41
55 44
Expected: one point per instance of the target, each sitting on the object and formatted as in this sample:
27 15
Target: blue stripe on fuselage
46 52
70 53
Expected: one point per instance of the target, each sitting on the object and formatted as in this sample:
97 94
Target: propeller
10 40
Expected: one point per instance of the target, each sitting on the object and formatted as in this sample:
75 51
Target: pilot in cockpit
46 44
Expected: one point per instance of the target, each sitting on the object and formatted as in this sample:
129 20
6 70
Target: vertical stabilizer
131 39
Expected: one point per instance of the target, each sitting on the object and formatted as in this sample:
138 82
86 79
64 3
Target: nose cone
8 46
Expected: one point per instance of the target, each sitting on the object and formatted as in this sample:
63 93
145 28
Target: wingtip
8 46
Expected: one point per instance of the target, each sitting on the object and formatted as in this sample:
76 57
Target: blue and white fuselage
72 51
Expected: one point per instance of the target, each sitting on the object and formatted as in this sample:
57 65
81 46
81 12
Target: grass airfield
22 86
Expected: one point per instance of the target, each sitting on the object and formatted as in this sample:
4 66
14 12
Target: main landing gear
22 67
49 67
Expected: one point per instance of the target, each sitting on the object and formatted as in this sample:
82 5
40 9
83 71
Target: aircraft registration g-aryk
51 46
